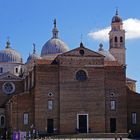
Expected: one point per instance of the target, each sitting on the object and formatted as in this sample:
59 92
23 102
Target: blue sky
31 21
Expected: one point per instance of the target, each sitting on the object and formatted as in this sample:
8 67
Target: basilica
64 91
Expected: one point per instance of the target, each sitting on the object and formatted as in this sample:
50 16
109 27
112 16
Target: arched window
116 39
81 75
1 69
121 39
16 70
2 120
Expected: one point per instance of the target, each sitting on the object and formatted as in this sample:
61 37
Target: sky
31 21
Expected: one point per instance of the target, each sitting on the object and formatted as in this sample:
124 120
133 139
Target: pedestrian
130 134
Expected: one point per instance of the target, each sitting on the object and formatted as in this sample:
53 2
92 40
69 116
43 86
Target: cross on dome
7 43
34 49
54 23
117 13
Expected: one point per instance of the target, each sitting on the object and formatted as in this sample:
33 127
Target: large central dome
54 45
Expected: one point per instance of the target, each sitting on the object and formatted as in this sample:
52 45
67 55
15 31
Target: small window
1 70
21 71
134 118
116 39
81 75
26 118
16 70
50 105
2 121
121 39
112 105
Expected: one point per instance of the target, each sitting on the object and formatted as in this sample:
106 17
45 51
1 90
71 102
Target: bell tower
117 39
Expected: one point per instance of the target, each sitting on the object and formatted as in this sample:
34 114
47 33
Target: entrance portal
50 128
112 125
83 123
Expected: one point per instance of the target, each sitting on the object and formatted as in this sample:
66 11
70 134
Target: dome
116 18
10 55
107 54
54 45
33 56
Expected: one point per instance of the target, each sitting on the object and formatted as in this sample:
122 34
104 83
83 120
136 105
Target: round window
81 75
50 94
81 52
8 87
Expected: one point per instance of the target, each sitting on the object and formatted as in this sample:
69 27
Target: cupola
54 45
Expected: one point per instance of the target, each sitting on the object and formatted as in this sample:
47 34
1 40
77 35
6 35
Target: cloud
131 26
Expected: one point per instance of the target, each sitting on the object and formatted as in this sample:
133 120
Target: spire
101 47
81 44
8 44
55 30
34 50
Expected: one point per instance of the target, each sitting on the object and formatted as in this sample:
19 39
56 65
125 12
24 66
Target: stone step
92 135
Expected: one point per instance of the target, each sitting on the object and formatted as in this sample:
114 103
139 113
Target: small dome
107 54
116 18
33 56
10 55
54 45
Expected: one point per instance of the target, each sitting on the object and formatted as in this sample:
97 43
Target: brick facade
56 82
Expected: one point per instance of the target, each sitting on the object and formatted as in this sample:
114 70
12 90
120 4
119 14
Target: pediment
82 51
9 77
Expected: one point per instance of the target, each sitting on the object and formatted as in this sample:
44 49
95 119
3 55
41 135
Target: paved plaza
88 139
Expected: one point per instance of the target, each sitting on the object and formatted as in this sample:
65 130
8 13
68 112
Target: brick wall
115 89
